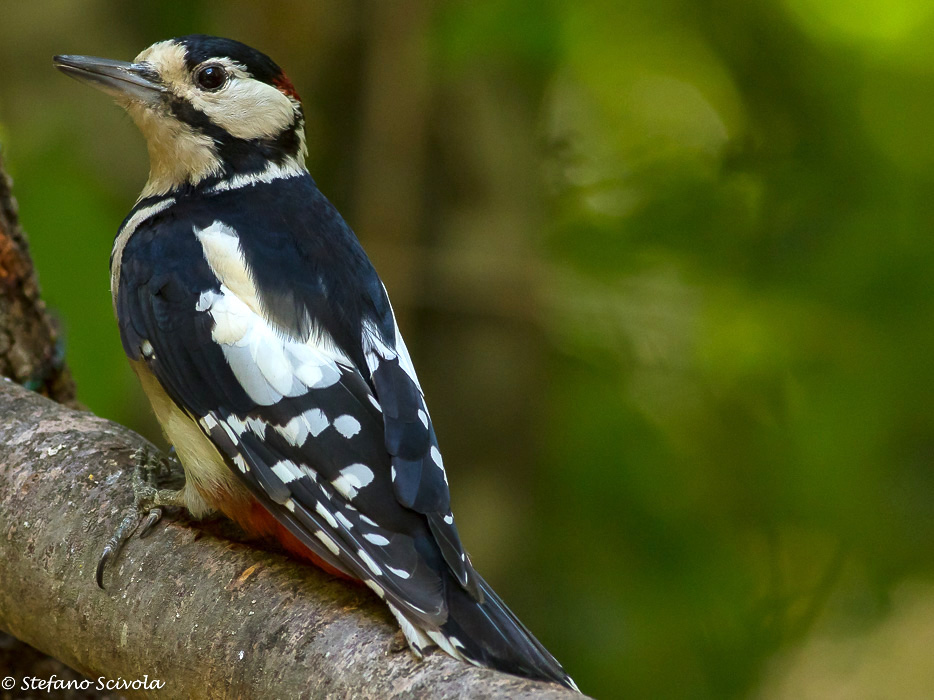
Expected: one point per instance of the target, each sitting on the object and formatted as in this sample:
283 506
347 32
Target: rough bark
29 352
190 606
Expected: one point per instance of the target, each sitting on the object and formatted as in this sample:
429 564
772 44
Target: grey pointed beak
133 81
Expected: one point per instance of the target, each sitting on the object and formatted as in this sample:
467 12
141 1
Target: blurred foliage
665 269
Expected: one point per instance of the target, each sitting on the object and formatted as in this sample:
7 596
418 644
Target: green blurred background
665 267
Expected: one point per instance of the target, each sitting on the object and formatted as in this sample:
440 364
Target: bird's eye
211 77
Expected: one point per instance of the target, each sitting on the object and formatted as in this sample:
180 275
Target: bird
267 345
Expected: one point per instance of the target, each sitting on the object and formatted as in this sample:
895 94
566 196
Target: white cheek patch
246 108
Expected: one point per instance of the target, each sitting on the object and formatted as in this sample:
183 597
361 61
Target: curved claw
106 555
146 510
124 532
155 515
130 524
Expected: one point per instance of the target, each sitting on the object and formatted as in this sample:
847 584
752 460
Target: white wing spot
401 573
377 350
368 521
234 438
241 463
257 425
289 505
343 519
368 560
146 348
436 457
374 402
376 539
294 431
287 471
328 542
423 417
311 422
208 422
317 421
449 519
238 426
352 479
324 513
347 425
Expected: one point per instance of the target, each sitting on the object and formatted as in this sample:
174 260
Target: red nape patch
256 520
285 86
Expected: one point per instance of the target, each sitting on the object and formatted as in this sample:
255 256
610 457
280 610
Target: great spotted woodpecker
270 353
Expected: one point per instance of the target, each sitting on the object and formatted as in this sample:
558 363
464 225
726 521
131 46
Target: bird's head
210 109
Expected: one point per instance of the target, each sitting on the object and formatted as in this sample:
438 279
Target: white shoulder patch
268 363
221 246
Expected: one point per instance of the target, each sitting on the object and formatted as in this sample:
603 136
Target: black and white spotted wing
336 443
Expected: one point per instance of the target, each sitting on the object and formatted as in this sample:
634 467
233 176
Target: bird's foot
148 502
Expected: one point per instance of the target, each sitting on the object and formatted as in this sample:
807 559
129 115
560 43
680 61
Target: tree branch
209 617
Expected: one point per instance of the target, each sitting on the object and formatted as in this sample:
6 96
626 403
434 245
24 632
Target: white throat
177 153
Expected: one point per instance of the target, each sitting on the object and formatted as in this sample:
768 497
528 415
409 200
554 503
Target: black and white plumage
268 347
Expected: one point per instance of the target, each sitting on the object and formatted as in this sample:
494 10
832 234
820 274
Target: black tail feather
489 634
